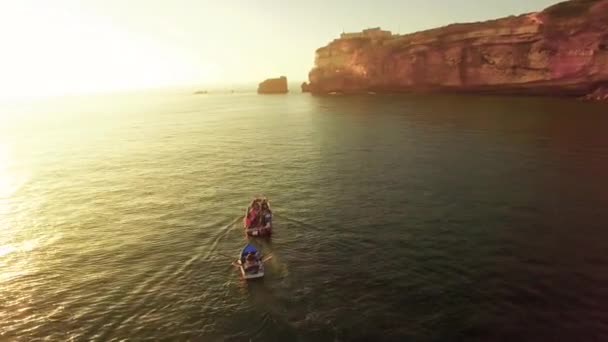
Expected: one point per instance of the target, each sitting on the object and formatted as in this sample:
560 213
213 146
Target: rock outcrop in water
562 50
273 86
305 87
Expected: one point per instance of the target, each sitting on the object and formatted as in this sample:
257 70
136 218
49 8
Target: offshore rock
273 86
305 87
562 50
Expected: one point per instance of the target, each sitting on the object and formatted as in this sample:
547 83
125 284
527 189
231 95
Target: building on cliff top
374 33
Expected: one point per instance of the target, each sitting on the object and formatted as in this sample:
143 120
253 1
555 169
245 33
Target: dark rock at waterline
600 94
305 87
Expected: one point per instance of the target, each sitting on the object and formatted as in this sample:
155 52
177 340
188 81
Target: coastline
555 52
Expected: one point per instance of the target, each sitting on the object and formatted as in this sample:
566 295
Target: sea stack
561 51
273 86
305 87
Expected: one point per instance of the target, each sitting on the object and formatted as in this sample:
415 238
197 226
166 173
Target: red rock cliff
562 50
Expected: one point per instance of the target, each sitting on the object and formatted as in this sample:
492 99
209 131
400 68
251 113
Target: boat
259 226
259 231
251 267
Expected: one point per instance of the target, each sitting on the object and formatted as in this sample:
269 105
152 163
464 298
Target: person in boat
266 215
257 210
253 215
251 260
247 220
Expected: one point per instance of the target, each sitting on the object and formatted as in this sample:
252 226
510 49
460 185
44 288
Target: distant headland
562 50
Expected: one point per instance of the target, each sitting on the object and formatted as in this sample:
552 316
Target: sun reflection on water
7 181
11 180
8 186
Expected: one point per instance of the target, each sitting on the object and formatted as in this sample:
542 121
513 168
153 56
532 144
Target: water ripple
396 218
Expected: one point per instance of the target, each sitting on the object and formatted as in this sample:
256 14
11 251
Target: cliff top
559 13
567 9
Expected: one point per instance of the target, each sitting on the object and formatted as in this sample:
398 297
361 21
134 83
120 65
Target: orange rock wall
562 50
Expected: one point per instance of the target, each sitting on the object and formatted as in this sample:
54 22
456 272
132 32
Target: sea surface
397 217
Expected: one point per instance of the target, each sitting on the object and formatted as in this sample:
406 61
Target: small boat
250 263
259 224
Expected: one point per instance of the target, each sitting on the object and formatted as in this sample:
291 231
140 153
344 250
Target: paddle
266 258
225 255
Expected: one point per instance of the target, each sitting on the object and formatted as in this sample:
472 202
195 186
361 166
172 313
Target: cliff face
273 86
562 50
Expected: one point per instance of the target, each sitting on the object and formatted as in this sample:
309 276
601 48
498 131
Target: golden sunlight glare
52 52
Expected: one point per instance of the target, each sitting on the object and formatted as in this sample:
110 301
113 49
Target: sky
61 47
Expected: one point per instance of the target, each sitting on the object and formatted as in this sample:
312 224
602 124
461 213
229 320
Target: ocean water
397 217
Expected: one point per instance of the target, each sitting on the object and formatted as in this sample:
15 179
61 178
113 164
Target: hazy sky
64 46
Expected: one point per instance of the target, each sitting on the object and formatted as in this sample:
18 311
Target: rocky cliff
562 50
273 86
